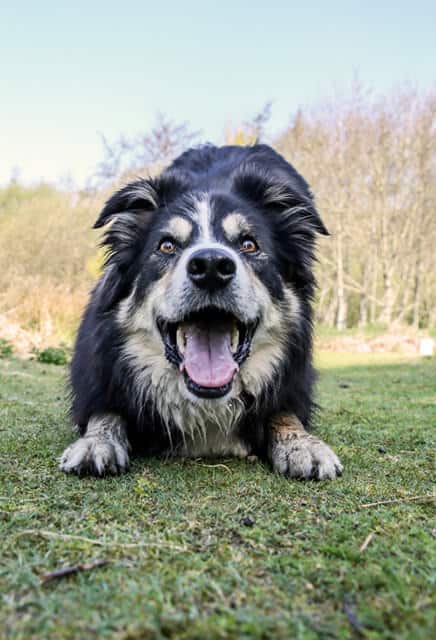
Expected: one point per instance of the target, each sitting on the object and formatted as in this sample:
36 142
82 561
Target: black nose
211 268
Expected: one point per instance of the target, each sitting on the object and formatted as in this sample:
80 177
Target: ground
225 549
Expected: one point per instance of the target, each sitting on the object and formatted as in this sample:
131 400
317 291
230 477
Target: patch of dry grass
47 250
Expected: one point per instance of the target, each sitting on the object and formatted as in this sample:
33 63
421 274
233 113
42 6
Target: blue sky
70 71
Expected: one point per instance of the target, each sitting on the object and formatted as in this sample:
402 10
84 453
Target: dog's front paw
304 456
94 456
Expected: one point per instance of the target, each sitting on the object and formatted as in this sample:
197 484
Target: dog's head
210 270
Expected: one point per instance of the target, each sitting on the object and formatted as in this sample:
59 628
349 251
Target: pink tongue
208 356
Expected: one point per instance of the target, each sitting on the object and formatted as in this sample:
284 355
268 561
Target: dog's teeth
235 339
181 341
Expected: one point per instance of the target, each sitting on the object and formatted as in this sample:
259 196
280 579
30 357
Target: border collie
197 340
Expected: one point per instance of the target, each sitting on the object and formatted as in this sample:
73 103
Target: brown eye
248 245
167 246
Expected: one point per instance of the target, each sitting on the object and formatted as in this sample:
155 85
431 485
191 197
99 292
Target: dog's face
209 272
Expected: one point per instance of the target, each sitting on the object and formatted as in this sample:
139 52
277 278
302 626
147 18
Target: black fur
280 205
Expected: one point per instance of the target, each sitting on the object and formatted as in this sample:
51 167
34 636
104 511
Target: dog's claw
95 456
305 457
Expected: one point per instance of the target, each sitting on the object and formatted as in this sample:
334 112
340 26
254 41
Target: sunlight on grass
332 359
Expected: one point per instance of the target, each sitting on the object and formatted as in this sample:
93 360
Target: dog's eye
167 246
248 245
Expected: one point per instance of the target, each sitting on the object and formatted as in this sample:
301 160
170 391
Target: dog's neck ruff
158 385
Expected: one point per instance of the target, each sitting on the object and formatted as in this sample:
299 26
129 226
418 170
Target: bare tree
371 163
251 131
150 151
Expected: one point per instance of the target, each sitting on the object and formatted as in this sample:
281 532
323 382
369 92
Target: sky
72 72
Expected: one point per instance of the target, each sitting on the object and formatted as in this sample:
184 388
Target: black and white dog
197 340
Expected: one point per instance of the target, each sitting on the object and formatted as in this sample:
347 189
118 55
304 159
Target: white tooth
180 340
235 338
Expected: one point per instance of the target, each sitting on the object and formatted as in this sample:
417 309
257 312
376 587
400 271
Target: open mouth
208 347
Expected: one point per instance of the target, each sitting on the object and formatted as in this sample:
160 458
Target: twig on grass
354 622
214 466
366 542
100 543
68 571
396 500
41 497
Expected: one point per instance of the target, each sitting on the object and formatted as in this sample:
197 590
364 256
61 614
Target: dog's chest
215 443
208 430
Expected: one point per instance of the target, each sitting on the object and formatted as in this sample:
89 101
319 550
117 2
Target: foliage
371 164
45 243
6 348
95 263
251 131
52 355
183 561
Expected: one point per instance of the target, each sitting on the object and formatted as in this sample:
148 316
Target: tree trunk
363 303
417 288
388 301
341 316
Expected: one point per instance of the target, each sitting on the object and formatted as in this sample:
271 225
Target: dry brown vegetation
370 162
46 252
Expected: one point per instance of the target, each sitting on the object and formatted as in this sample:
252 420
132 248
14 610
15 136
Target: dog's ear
144 195
297 207
131 211
113 287
138 196
281 189
284 195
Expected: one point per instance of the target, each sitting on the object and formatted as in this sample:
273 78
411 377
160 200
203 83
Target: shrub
52 355
6 348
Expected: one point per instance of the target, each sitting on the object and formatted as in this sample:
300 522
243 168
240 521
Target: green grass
323 331
182 563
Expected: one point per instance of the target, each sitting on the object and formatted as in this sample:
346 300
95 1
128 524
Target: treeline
370 162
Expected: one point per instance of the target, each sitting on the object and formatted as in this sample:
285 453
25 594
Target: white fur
298 456
218 443
180 228
267 349
203 218
144 190
103 449
234 225
296 453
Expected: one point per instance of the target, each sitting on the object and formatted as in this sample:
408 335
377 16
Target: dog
197 340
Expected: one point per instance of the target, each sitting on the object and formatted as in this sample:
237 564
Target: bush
6 348
46 242
52 355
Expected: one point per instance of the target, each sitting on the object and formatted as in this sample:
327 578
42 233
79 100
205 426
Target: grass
183 561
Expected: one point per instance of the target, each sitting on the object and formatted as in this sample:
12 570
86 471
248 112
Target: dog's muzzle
208 347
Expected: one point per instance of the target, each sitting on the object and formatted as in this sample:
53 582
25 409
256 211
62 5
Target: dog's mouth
208 347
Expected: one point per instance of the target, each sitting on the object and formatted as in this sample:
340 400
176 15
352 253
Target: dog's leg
296 453
102 450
